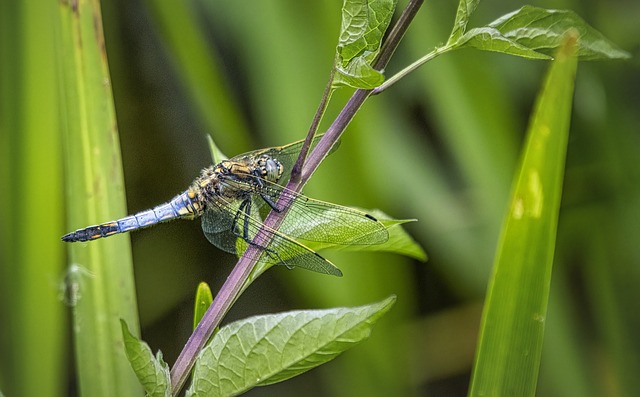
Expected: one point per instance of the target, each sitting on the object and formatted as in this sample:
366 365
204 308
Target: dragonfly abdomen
184 205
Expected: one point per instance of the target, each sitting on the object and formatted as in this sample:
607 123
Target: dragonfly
233 198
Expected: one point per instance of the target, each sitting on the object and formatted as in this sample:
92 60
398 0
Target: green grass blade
512 329
32 321
100 275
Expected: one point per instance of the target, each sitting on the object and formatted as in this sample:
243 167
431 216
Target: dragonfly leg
244 208
269 201
278 260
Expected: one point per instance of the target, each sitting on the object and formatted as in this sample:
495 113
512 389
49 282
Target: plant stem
322 107
232 287
396 34
415 65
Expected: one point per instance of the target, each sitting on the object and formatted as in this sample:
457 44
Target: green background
439 146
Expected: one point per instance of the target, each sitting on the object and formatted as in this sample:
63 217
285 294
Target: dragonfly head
269 168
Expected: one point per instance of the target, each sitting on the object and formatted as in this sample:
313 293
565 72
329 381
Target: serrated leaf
266 349
204 298
512 328
152 372
465 9
542 30
490 39
363 25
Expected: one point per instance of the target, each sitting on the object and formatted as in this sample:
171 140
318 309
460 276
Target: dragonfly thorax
236 179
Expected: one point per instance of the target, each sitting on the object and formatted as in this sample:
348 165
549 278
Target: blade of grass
100 276
510 345
32 330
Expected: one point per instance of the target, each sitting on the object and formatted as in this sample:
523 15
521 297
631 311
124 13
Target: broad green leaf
512 328
267 349
543 30
363 25
465 9
152 372
204 298
490 39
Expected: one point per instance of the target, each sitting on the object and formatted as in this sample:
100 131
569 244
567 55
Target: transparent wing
228 229
319 221
217 224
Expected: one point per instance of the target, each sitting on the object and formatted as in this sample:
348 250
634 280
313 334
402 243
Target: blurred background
440 146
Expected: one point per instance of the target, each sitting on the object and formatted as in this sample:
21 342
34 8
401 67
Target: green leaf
399 242
358 74
363 25
204 298
216 153
512 328
152 372
465 9
542 30
490 39
267 349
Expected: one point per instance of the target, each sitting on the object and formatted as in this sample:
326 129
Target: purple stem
232 287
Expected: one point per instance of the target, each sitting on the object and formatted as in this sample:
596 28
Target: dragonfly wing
219 222
282 250
216 225
322 222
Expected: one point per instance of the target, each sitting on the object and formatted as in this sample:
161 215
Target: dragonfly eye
271 168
